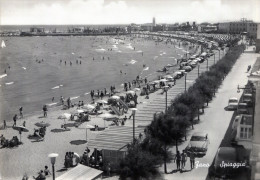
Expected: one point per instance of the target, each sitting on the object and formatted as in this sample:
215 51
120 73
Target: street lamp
253 102
166 89
207 64
198 70
214 59
52 157
185 73
133 114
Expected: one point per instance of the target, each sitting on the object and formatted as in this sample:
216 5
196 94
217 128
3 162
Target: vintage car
198 144
232 103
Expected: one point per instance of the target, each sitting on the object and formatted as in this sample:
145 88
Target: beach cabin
81 172
113 143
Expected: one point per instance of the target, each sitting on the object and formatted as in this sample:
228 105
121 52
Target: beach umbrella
88 106
115 97
20 129
130 92
163 80
101 101
137 89
76 111
64 116
156 81
42 124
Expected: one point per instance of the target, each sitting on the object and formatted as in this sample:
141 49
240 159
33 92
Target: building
258 39
239 27
154 22
207 28
255 153
37 30
243 128
78 29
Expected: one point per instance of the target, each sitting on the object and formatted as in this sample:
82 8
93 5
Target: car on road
242 108
227 164
232 103
247 98
198 144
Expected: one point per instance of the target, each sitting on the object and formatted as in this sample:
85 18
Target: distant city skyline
59 12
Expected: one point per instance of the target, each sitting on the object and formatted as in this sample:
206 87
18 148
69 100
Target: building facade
239 27
258 39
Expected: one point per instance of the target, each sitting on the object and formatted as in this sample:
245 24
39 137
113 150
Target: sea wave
3 75
9 83
132 61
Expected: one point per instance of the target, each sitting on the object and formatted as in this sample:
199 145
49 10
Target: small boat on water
3 44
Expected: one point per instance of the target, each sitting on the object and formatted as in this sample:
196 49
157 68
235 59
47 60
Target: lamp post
185 73
133 113
198 70
166 89
52 157
214 59
253 103
207 64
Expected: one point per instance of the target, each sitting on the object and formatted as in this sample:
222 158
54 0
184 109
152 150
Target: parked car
198 144
232 103
242 108
226 155
247 98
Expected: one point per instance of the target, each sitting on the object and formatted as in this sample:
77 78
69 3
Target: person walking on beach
52 99
44 111
24 123
68 102
15 119
192 160
4 124
101 94
21 112
92 94
65 63
178 160
98 93
183 159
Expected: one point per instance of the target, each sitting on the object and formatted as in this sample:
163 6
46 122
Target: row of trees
168 129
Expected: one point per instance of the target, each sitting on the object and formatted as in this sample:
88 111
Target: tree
164 129
138 163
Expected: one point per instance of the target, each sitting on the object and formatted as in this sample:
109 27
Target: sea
33 70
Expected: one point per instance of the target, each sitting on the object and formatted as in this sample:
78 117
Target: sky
27 12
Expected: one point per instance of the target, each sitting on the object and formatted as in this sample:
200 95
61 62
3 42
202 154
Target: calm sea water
32 84
59 28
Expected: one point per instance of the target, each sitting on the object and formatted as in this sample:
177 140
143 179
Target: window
245 133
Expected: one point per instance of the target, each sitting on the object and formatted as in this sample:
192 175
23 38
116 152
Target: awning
80 172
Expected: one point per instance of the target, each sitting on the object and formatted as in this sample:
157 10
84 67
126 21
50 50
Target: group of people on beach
65 62
41 175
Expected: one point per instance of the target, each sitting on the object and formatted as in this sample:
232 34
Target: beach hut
113 143
81 172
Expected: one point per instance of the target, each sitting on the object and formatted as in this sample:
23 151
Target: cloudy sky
125 11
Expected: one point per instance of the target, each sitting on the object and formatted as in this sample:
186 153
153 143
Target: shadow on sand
60 130
78 142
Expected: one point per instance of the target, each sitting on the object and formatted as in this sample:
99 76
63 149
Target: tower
154 23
